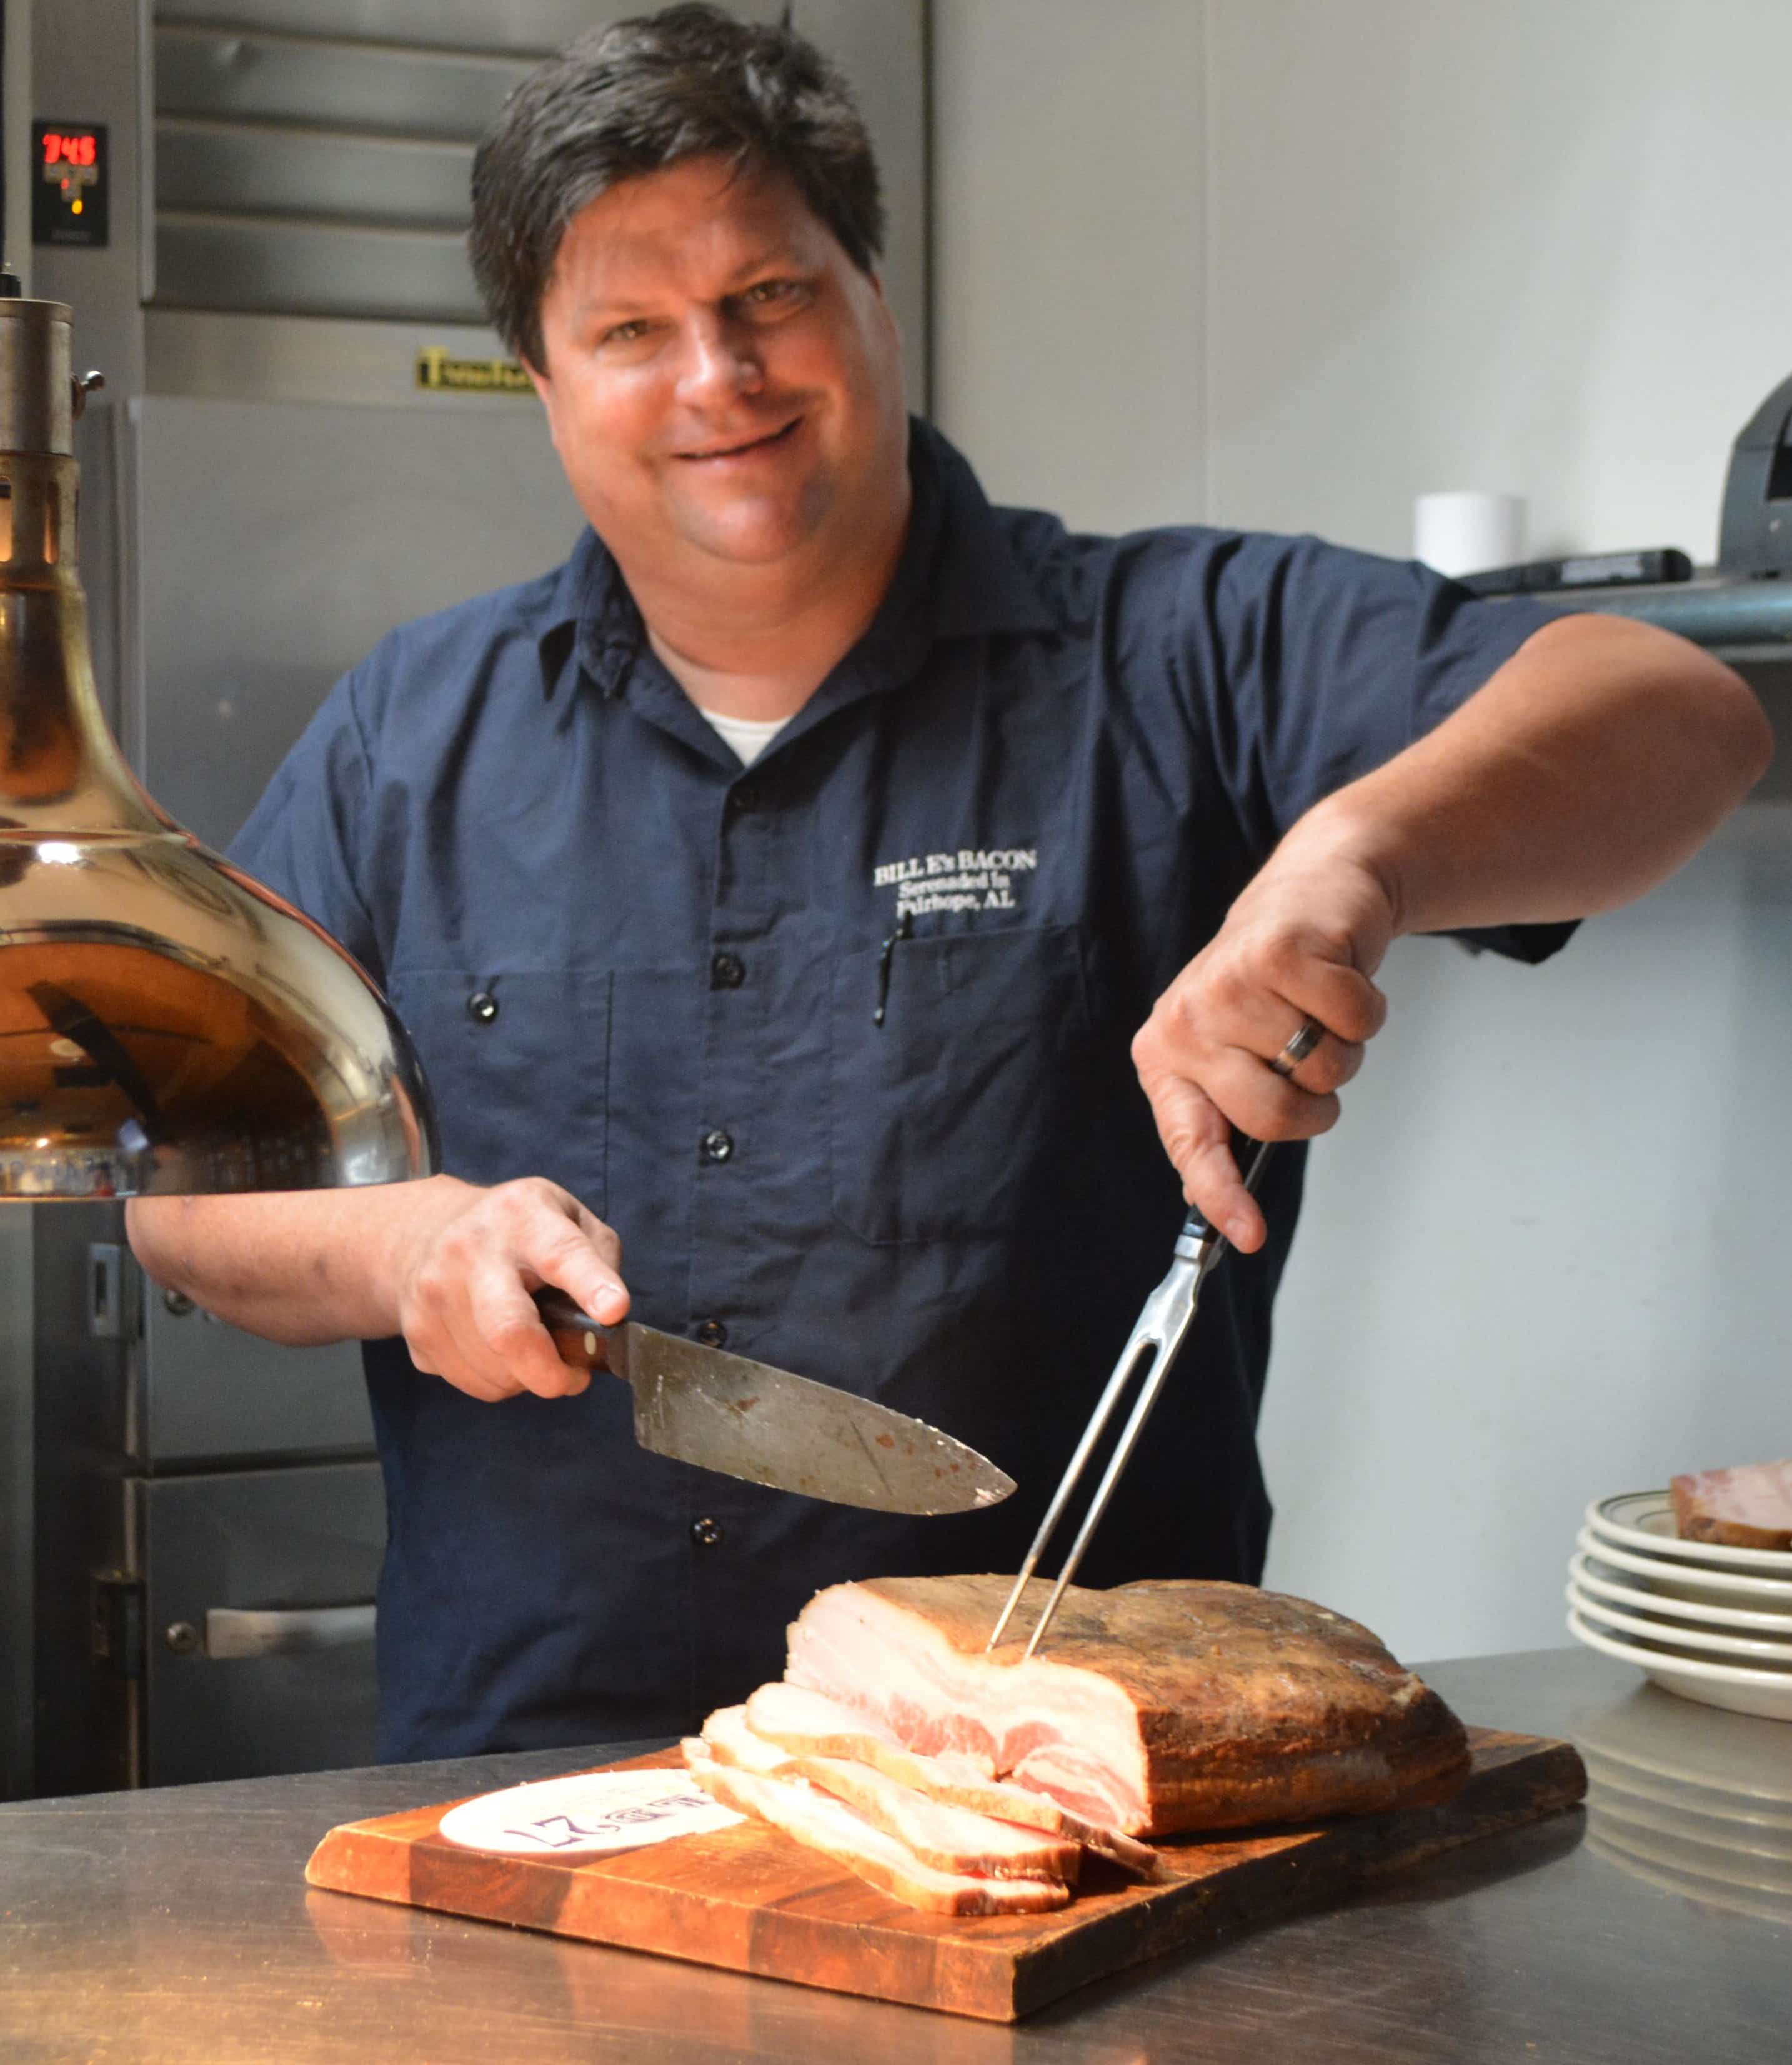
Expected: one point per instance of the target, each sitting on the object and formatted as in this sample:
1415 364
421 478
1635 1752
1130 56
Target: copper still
167 1025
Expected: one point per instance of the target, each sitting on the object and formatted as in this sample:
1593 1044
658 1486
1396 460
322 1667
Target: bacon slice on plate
825 1824
1747 1507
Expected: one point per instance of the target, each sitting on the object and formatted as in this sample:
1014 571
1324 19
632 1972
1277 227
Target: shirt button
706 1532
712 1334
742 798
726 971
482 1006
715 1144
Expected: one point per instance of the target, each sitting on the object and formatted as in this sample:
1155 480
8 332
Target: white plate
588 1814
1605 1580
1767 1693
1590 1575
1686 1581
1739 1648
1644 1520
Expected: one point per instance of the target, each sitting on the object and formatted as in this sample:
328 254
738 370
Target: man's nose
721 360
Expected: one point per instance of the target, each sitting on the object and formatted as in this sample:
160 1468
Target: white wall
1543 1257
1067 221
1538 246
1404 244
1289 263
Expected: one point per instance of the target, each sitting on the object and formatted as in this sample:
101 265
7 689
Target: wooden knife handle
578 1338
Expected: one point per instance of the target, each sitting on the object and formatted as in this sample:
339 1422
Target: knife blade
745 1419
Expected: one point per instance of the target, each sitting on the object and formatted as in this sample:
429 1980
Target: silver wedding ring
1311 1033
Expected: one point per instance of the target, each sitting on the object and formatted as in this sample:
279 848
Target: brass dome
167 1025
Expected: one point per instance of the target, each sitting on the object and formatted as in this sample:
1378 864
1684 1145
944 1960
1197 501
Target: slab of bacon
1152 1708
1747 1507
975 1784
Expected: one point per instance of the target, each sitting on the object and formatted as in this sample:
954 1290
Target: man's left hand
1302 941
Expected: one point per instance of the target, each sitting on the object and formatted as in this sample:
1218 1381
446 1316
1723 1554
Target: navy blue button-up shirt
631 966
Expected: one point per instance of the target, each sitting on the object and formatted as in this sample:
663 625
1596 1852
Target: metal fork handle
1198 1247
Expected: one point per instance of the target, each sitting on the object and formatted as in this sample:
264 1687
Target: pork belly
1154 1707
822 1823
950 1838
1748 1507
808 1723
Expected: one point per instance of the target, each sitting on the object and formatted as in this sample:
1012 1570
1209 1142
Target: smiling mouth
751 445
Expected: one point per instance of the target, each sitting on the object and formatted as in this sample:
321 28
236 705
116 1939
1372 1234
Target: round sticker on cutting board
595 1812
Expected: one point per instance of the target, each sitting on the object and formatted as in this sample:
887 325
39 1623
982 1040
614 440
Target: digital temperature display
69 196
80 147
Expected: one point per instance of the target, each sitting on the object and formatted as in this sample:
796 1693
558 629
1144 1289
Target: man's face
721 379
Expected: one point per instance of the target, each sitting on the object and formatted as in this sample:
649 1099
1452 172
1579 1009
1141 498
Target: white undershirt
749 736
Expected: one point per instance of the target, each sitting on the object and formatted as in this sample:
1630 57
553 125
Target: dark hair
689 82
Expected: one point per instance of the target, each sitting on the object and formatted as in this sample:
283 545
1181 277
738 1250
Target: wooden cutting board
750 1899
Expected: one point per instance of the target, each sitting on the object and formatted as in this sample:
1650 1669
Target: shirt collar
959 577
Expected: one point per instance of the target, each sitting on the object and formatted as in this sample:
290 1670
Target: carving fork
1162 1326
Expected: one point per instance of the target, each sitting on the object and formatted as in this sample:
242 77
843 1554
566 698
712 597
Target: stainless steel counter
173 1927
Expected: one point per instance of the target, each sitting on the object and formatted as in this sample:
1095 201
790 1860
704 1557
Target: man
838 1042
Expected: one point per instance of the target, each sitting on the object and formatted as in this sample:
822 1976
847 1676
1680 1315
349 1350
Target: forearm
1594 762
300 1266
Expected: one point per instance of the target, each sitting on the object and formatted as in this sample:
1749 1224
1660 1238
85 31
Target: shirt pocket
940 1117
518 1065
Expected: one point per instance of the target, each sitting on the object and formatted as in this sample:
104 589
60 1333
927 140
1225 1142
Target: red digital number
69 150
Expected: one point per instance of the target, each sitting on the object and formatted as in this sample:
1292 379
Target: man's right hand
449 1265
465 1285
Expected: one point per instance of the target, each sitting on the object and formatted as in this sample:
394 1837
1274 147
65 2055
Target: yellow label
441 372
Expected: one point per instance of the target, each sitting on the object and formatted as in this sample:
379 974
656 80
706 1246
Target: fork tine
1208 1245
1142 1337
1147 1397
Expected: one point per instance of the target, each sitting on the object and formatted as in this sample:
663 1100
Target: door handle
284 1630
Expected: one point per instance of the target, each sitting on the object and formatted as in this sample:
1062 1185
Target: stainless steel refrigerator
306 438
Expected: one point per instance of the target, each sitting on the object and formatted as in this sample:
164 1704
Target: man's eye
625 333
768 291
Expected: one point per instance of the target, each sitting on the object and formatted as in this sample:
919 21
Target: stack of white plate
1709 1623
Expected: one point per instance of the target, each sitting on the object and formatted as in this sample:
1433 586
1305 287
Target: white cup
1465 531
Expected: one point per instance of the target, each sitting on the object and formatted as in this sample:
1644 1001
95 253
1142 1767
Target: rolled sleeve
1330 662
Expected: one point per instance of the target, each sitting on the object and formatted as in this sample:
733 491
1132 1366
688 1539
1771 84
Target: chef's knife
747 1420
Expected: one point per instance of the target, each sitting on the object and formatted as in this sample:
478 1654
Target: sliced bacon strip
728 1740
793 1805
951 1839
810 1724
